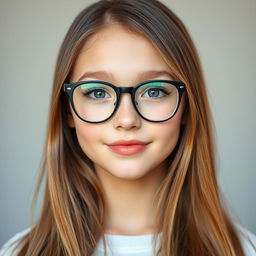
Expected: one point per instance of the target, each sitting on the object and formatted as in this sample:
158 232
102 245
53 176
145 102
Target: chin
129 174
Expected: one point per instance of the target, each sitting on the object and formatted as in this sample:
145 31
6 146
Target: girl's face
124 58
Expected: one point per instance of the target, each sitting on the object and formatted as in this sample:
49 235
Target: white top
140 245
124 245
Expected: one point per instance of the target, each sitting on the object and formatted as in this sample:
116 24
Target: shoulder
8 249
248 240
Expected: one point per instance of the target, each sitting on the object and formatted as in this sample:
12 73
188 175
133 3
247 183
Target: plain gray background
31 33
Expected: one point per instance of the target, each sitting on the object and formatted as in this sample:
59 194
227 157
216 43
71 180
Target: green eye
153 90
96 94
96 91
154 93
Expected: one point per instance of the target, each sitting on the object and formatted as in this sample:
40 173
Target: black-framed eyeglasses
97 101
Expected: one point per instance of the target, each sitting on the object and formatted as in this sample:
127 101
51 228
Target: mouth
128 147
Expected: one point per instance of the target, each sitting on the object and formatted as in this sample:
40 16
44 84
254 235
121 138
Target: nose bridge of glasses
127 113
126 90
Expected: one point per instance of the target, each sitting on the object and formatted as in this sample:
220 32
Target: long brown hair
190 213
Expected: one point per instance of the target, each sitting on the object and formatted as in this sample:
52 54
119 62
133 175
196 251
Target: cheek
167 135
88 135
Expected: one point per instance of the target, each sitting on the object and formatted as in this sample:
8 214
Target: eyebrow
145 75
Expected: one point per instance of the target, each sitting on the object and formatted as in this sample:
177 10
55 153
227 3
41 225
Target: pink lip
127 147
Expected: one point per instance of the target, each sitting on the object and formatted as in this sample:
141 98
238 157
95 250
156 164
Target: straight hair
190 216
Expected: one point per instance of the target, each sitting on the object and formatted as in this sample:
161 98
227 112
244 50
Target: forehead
117 36
118 50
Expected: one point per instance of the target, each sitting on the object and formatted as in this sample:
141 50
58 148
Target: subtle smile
128 147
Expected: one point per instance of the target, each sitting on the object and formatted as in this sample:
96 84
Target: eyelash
157 89
91 91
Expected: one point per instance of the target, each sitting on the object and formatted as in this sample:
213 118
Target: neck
130 203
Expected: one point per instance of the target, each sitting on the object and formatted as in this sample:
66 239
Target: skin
130 182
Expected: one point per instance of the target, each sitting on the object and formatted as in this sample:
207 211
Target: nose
126 116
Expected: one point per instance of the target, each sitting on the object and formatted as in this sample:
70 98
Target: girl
129 159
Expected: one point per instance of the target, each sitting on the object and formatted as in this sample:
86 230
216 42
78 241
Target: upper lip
127 142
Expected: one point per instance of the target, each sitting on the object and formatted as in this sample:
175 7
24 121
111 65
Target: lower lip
128 149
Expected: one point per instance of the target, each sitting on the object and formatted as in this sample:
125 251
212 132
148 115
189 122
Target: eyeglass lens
96 102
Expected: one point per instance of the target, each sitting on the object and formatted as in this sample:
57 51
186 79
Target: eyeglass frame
69 88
